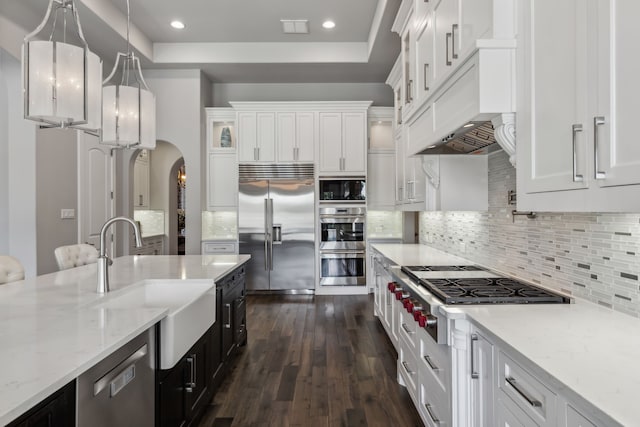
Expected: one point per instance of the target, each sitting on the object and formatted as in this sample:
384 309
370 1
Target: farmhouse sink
191 305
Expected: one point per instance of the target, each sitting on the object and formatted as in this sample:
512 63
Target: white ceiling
241 41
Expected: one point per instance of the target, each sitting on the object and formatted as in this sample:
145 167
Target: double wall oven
342 217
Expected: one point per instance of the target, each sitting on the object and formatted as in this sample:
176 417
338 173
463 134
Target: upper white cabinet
576 106
222 160
343 142
381 160
295 136
256 136
141 187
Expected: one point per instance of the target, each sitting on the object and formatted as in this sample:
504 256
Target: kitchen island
576 361
51 331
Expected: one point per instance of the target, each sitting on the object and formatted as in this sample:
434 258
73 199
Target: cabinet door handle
474 373
409 91
430 363
191 384
574 132
407 330
435 420
228 324
426 71
296 153
530 400
406 368
454 28
447 40
597 121
140 198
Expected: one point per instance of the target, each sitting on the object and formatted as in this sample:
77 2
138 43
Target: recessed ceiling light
178 25
328 24
469 125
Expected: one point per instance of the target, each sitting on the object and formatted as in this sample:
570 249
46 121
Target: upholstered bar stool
75 255
10 269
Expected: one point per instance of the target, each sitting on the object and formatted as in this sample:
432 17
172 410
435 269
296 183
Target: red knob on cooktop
422 320
399 294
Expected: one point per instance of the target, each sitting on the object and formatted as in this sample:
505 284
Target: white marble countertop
591 351
50 333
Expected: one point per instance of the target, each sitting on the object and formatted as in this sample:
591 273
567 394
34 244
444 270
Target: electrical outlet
67 213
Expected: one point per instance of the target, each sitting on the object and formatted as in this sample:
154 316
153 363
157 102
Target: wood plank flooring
312 361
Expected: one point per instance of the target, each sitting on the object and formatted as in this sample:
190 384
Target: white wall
380 93
57 188
4 158
18 141
178 121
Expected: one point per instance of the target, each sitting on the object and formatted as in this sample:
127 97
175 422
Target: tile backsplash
151 222
219 225
384 224
590 255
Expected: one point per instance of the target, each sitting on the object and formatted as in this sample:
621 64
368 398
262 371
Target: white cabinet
256 136
381 160
222 181
456 182
343 137
410 179
295 136
576 149
576 419
482 380
210 247
380 181
424 60
446 31
141 188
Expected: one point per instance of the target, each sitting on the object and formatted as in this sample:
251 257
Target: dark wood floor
313 361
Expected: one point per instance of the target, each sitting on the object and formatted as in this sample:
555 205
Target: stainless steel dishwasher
119 390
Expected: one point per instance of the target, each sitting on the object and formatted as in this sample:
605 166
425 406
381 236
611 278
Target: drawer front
508 414
529 393
434 361
408 370
218 248
407 328
434 408
576 419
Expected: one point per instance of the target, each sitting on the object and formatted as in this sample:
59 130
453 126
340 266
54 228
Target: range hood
479 137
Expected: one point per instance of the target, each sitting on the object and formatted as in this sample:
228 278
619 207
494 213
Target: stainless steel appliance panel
343 269
251 227
342 190
120 390
342 229
293 235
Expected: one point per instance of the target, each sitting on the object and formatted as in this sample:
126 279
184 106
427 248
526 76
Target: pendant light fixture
128 106
61 80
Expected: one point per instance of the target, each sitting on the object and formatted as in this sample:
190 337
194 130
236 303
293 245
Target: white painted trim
375 25
380 113
395 75
257 53
402 18
302 106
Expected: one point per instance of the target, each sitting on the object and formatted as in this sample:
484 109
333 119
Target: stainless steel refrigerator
276 219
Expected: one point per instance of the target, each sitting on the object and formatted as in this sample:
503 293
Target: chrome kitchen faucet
103 260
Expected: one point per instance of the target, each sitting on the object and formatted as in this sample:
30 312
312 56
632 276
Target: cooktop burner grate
500 290
443 268
480 290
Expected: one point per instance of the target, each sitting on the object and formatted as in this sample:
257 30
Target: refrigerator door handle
266 234
270 231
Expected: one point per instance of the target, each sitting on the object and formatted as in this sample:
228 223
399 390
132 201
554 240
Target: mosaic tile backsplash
151 222
219 225
590 255
384 224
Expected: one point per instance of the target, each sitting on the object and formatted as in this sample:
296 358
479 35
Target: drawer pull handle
430 363
597 121
474 373
406 368
407 330
532 401
435 420
574 132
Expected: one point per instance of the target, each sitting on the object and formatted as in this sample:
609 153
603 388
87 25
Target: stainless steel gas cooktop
475 285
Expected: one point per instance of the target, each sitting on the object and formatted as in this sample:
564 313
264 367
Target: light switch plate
67 213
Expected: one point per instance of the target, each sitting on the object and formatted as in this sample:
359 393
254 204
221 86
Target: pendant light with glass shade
61 76
128 106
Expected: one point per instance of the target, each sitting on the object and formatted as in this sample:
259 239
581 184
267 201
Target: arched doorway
156 181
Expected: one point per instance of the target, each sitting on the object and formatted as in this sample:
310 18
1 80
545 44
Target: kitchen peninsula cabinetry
576 113
57 410
222 161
